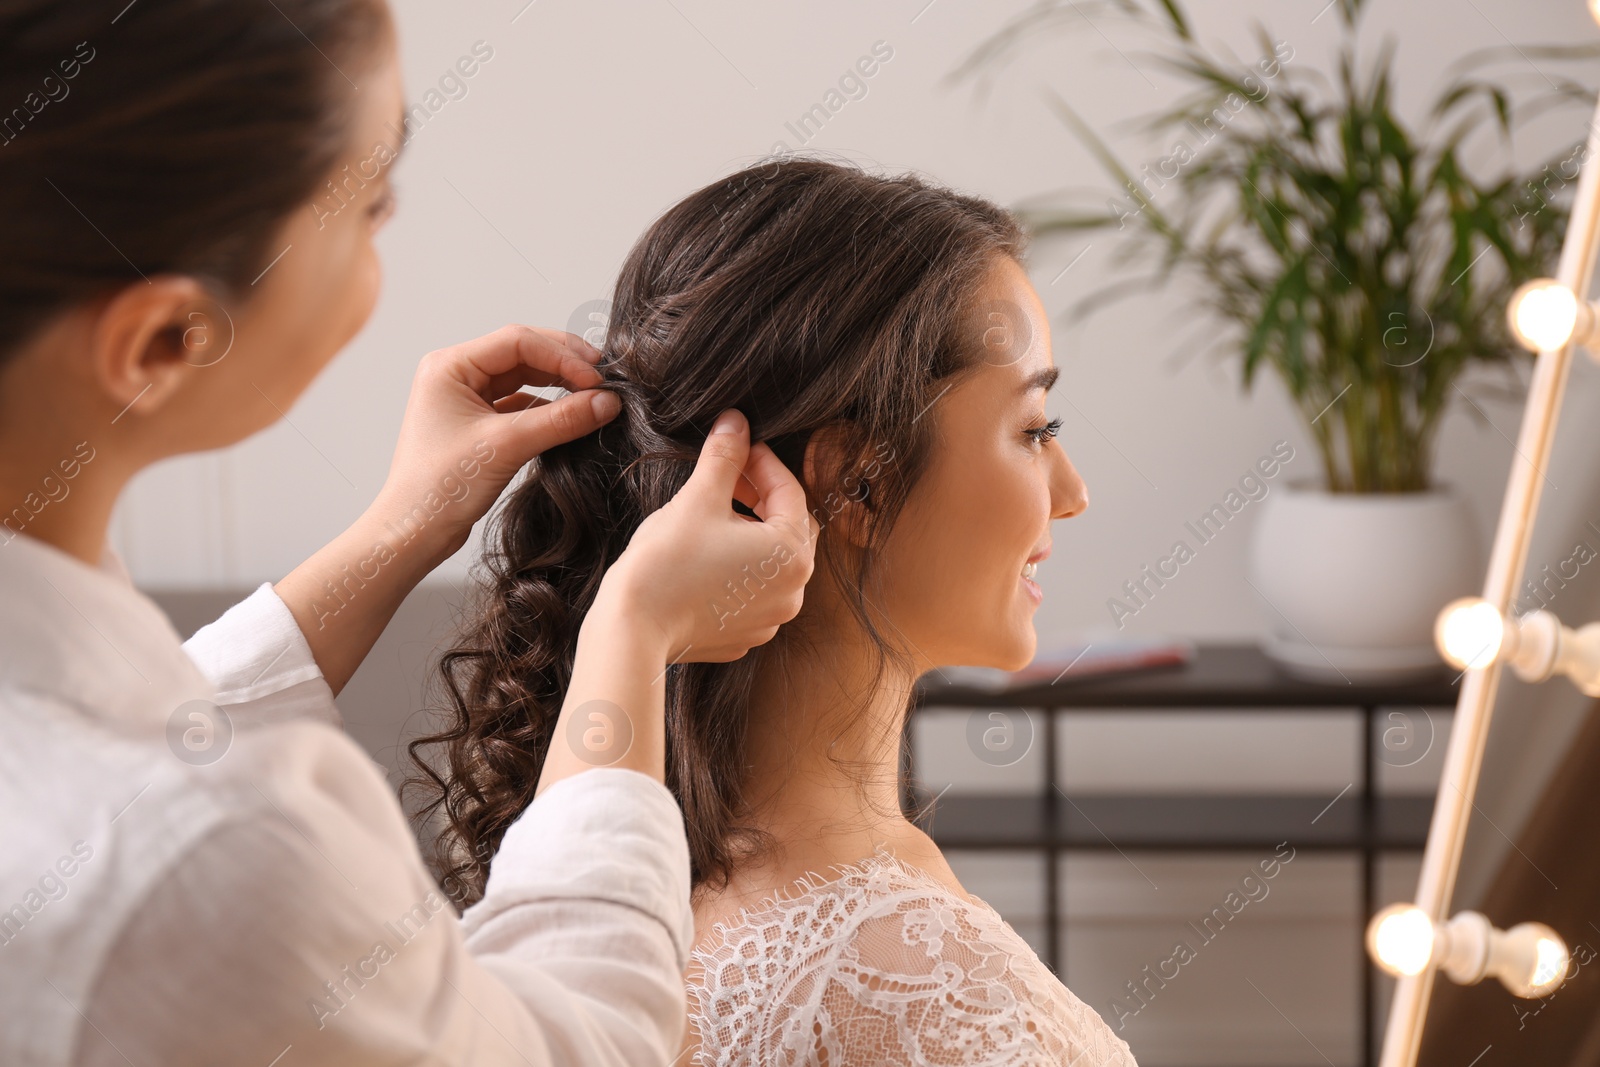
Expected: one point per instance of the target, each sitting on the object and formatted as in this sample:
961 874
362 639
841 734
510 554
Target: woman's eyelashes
381 208
1041 434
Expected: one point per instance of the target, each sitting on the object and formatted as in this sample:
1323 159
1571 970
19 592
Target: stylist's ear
149 336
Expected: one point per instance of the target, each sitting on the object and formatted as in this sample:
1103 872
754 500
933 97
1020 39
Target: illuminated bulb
1550 959
1400 939
1545 315
1594 9
1469 632
1530 959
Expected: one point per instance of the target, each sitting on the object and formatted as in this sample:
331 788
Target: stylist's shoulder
298 918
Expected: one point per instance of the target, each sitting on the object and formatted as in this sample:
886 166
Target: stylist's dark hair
806 294
164 136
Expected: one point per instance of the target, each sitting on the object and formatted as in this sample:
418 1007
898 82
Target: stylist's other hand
468 430
716 582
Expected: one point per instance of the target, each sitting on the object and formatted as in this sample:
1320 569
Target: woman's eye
1041 434
382 207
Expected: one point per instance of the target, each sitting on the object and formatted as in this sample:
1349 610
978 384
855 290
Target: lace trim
882 963
812 882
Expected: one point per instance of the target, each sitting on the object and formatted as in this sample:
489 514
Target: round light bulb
1551 961
1469 632
1400 939
1531 960
1543 314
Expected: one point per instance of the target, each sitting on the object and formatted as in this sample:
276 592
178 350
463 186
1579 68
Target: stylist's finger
718 472
505 384
782 499
525 434
744 491
729 459
518 401
497 363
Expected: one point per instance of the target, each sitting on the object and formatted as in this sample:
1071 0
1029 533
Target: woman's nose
1069 495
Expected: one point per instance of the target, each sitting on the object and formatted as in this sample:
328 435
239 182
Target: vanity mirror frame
1508 558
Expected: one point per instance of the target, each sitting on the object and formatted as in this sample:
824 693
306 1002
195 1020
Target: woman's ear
150 335
832 471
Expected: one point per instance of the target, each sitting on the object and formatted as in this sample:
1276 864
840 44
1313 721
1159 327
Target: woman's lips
1030 570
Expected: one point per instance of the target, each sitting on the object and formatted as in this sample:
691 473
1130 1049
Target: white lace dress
884 965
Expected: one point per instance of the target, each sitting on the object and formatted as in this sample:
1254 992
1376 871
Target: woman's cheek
366 280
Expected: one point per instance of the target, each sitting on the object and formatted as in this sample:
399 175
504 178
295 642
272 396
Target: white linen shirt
179 886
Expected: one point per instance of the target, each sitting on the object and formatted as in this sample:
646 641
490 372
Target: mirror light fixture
1530 959
1545 316
1471 634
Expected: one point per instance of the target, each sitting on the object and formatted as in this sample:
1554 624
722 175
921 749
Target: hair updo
805 294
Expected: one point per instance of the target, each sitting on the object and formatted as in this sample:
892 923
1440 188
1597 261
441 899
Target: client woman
884 340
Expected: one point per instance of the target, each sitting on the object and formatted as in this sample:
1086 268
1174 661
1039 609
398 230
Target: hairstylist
269 907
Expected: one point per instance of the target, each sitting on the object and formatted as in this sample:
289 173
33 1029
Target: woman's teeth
1029 570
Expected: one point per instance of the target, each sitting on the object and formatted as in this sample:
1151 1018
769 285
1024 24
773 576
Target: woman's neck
823 775
59 491
824 743
64 457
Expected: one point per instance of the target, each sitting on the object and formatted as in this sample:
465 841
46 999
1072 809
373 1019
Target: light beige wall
519 201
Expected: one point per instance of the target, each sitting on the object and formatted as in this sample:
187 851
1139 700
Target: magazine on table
1065 660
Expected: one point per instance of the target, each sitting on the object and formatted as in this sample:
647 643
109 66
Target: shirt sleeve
308 929
605 834
261 664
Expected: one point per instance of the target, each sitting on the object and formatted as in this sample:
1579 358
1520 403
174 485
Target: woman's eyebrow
1044 379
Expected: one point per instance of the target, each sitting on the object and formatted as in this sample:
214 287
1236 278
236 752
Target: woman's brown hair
805 293
163 136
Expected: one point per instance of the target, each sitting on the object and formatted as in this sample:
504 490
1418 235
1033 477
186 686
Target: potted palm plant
1365 264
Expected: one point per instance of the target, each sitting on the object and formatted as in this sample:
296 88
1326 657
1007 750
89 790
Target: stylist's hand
467 430
666 600
678 565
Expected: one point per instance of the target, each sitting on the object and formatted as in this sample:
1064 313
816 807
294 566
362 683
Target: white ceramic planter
1353 582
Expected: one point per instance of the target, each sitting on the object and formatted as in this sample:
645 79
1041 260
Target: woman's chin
1017 653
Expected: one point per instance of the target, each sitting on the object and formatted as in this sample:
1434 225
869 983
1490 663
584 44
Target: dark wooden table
1221 677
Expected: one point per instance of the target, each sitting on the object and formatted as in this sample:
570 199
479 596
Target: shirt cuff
603 834
260 663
